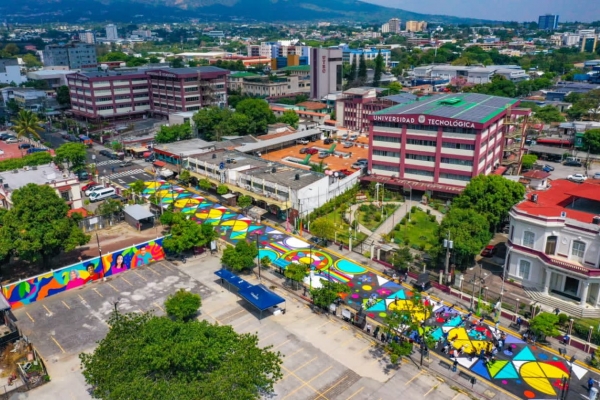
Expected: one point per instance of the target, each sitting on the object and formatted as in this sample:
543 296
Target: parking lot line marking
341 329
304 365
337 383
328 321
156 304
308 318
114 288
58 344
268 336
151 269
355 393
366 347
49 312
294 353
280 344
414 377
346 341
167 267
32 320
66 305
307 383
82 299
431 390
131 284
237 323
97 292
138 274
457 394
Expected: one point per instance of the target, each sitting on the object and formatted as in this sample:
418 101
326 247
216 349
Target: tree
591 141
544 324
296 272
72 153
240 257
153 60
469 230
110 207
26 124
185 234
379 65
208 118
259 113
320 167
138 187
549 114
37 228
328 293
12 106
182 305
244 202
499 86
155 357
322 228
177 63
353 71
185 176
393 88
492 196
204 184
362 70
62 96
528 160
31 61
173 133
222 189
402 258
396 323
289 117
12 49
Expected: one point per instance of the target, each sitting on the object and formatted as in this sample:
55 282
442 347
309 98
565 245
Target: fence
100 222
38 287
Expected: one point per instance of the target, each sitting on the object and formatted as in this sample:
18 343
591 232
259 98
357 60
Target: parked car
32 150
358 165
324 154
302 141
150 158
25 146
573 163
118 198
93 189
11 140
579 178
89 185
82 175
308 150
105 153
127 163
328 141
548 168
5 135
113 156
489 251
348 144
363 161
597 175
353 137
345 136
318 241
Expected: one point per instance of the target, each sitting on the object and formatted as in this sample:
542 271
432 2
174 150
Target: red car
489 251
308 150
89 185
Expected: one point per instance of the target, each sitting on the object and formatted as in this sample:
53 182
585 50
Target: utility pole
448 244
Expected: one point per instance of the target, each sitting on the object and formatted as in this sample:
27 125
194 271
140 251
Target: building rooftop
284 175
473 107
536 174
242 74
278 141
185 147
305 68
580 202
42 175
312 105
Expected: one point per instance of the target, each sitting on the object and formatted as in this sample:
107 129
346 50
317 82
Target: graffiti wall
73 276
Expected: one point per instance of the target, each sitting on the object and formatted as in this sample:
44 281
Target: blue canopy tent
233 279
261 297
281 264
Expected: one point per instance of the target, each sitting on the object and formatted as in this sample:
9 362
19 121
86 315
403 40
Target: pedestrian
481 321
497 326
454 365
368 328
590 384
382 337
500 344
406 276
423 287
376 332
566 339
556 311
519 322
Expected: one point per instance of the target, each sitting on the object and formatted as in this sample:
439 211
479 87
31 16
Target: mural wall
70 277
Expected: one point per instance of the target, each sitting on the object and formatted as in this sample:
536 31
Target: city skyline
504 10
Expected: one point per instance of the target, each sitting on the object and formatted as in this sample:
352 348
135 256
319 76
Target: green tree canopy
31 61
244 201
289 117
185 233
27 124
492 196
37 227
110 207
73 153
379 66
544 324
499 86
322 228
528 160
240 257
402 258
173 133
328 293
145 356
259 113
183 305
296 272
469 230
591 141
63 96
549 114
361 76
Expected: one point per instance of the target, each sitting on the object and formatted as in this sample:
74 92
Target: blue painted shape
542 356
391 286
524 355
513 340
437 334
349 267
508 372
401 295
379 306
480 369
454 321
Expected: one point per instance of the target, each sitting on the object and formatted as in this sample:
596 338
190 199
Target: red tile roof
551 202
537 174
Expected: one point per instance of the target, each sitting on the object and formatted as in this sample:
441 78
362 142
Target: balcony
558 261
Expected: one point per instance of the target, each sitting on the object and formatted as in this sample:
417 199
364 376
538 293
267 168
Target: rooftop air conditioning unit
596 220
15 171
34 168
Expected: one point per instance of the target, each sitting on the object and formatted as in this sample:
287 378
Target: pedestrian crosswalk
108 162
126 173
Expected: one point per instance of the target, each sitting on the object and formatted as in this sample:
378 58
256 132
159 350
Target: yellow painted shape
553 372
541 385
531 370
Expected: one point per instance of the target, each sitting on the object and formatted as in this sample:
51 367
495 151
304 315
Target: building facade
554 246
111 32
548 22
10 71
349 55
416 26
87 37
394 25
268 86
439 143
325 72
74 55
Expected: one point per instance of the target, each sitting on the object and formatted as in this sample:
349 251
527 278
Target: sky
504 10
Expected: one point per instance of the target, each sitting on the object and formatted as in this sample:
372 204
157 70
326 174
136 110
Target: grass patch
341 227
420 233
369 216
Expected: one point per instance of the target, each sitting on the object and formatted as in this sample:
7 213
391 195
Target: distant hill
210 10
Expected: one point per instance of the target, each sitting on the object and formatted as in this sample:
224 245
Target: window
578 250
386 153
459 146
456 177
524 268
528 239
417 172
386 168
66 195
512 232
419 157
551 245
388 139
457 161
417 142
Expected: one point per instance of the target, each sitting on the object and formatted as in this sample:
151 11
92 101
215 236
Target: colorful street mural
73 276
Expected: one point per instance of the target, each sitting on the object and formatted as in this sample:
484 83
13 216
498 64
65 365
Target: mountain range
209 10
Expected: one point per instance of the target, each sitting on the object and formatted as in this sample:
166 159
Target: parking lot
562 171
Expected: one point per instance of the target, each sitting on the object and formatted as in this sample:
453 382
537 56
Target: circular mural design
542 375
268 253
295 243
315 258
348 267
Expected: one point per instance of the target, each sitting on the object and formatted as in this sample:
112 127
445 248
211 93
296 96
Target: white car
597 175
12 140
93 189
579 178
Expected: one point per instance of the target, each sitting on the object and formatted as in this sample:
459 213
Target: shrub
413 222
563 318
363 208
428 211
432 218
377 217
413 209
182 305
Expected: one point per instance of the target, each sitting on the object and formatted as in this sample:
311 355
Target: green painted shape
494 368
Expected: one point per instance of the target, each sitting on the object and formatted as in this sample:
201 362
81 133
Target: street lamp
481 280
409 203
448 244
517 308
258 254
566 382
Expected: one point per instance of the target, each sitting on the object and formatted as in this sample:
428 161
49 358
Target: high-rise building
325 71
394 25
75 55
111 32
589 43
10 71
416 26
548 22
385 28
87 37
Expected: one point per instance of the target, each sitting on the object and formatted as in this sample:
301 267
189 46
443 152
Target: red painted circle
529 394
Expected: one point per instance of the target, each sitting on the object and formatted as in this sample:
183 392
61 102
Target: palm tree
27 123
320 167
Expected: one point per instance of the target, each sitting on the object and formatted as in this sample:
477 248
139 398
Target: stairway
570 307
